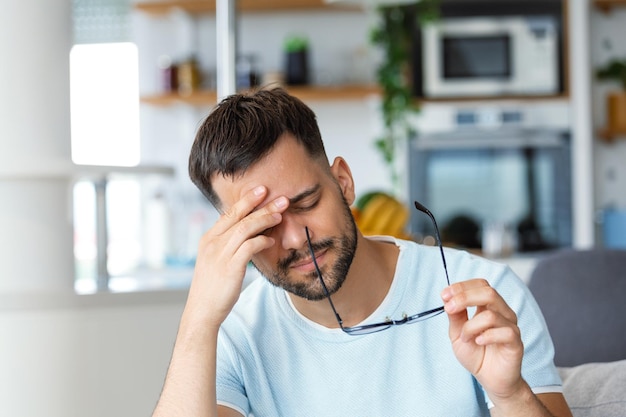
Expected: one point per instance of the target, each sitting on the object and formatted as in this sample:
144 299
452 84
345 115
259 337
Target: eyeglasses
377 327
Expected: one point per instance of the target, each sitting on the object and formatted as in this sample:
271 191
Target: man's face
319 199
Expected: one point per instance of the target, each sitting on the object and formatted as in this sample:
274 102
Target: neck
369 279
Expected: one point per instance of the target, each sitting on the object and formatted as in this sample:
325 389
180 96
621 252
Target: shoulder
461 264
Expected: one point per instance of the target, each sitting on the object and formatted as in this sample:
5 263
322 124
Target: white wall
85 356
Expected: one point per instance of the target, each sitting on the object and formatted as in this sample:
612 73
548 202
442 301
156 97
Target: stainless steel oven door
514 177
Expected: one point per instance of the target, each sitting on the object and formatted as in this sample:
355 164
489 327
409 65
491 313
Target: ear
341 171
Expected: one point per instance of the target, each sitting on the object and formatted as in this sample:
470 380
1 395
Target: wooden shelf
607 5
306 93
328 93
208 6
197 98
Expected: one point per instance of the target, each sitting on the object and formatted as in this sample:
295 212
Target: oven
498 177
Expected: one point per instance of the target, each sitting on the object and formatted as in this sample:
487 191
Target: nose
292 233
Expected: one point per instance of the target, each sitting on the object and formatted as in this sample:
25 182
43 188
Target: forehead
286 171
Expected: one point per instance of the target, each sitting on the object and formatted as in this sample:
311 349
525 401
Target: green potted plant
615 70
296 49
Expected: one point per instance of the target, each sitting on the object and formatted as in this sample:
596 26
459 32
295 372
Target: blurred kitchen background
514 151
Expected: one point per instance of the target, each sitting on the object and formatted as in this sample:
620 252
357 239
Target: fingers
239 232
239 229
488 327
475 293
493 322
243 211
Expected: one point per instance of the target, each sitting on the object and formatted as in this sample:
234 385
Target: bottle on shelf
189 76
168 74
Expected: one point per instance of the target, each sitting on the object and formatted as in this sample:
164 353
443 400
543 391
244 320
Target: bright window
105 131
105 104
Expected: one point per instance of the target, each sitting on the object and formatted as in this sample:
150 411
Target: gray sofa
582 294
596 389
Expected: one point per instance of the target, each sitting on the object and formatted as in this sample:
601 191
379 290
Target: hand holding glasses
377 327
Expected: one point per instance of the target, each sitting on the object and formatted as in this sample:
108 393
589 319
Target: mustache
296 256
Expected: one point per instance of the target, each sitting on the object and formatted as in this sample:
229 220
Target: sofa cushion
581 295
596 389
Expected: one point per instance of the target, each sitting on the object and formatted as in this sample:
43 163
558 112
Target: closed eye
306 200
301 208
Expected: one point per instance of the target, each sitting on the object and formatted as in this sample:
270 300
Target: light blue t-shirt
274 362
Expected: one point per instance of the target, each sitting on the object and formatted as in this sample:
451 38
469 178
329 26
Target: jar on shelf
189 77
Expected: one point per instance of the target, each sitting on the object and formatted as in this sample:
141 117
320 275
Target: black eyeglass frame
377 327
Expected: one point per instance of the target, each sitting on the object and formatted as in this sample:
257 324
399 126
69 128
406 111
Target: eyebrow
306 193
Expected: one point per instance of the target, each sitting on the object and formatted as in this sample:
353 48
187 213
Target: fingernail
450 306
446 294
281 202
259 190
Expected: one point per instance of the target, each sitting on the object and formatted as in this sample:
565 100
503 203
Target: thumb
457 316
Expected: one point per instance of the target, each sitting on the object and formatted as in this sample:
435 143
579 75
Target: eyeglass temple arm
319 274
423 209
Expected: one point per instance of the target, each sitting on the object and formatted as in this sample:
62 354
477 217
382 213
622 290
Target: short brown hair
245 127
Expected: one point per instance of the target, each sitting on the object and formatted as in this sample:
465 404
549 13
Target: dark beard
334 277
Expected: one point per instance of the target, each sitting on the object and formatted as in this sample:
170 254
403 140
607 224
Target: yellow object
383 215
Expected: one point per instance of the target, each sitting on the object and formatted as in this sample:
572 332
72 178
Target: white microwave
491 56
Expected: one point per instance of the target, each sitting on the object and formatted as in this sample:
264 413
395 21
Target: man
280 349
